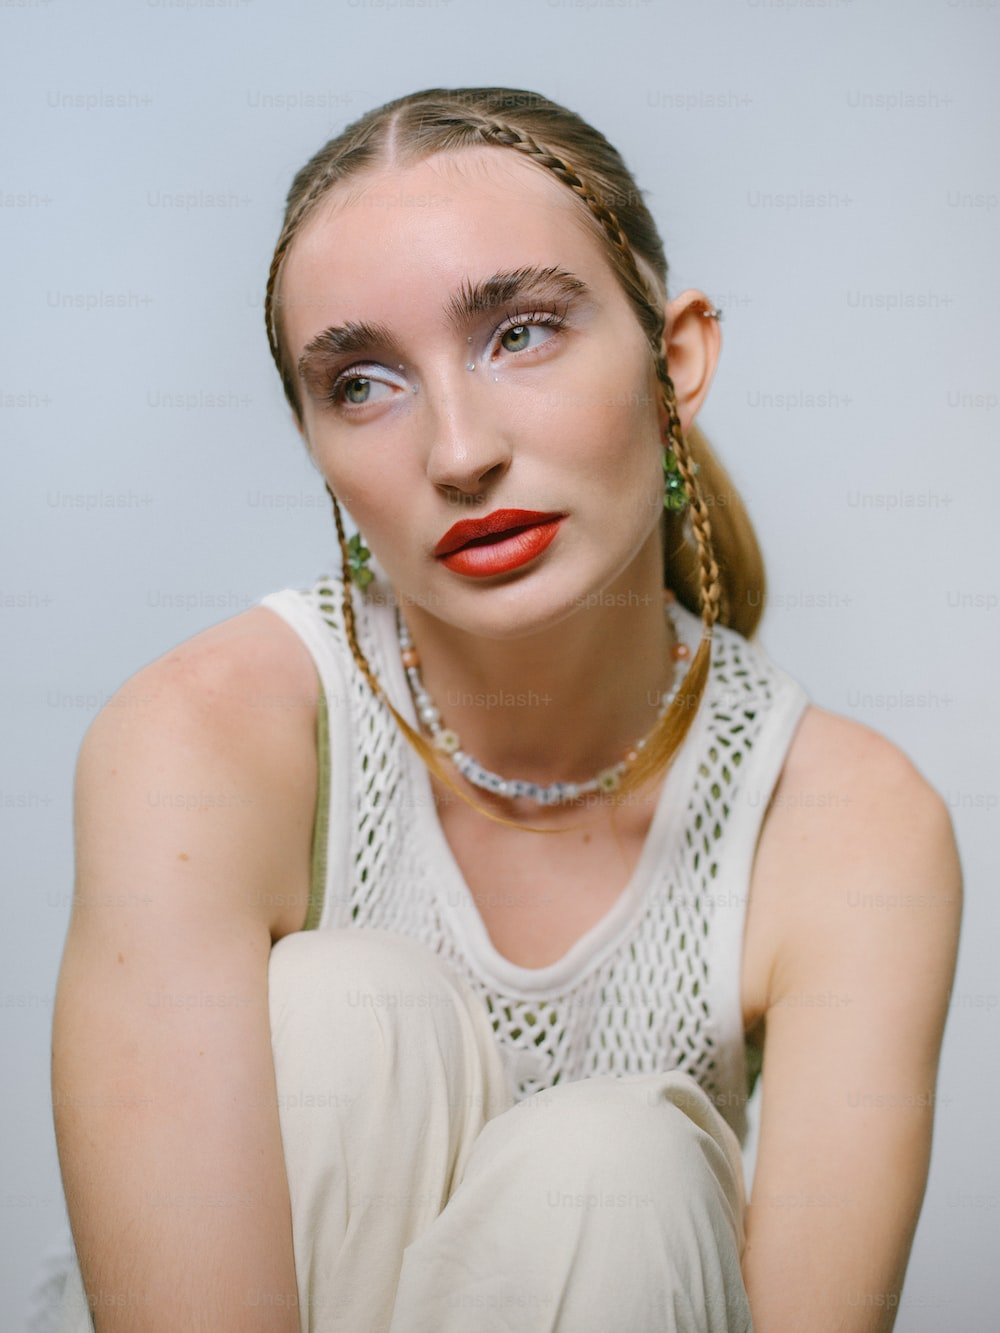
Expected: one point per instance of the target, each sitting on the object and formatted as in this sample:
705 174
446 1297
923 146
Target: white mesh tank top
655 984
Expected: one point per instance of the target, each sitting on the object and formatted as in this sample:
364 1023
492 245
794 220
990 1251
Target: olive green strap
321 825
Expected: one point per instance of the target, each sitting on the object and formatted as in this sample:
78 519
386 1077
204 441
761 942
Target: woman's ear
692 342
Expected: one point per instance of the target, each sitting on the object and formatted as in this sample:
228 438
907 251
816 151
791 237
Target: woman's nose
469 447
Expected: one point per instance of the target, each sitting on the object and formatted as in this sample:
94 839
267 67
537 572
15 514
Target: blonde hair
713 565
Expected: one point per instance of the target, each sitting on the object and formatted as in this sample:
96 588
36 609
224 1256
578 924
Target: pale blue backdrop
827 172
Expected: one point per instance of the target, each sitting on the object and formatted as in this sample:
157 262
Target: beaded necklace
556 793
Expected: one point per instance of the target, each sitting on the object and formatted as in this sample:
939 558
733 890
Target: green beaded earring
675 496
357 559
354 549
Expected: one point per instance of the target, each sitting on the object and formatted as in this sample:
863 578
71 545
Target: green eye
516 338
357 390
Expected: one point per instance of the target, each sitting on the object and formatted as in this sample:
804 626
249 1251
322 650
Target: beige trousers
425 1201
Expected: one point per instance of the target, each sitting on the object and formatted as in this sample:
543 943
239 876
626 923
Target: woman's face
465 351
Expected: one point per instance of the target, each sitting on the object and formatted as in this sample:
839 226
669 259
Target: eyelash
554 319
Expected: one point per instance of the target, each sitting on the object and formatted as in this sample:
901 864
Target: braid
637 288
710 580
494 132
307 190
271 298
350 625
273 341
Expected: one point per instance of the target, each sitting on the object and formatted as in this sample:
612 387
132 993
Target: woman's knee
377 1006
370 975
633 1138
621 1175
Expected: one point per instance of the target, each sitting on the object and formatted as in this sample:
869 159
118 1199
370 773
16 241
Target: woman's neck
562 704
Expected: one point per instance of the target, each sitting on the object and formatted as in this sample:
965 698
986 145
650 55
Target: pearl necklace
556 793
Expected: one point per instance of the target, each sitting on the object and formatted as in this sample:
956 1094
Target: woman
601 839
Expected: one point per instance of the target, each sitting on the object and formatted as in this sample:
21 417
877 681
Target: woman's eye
517 338
354 390
521 337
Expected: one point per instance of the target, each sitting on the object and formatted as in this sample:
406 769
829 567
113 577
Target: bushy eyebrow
540 284
358 337
350 339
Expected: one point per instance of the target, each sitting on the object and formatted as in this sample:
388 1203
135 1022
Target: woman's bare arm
863 891
195 801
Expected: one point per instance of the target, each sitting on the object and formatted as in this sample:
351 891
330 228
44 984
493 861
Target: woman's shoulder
220 730
856 853
853 766
851 801
252 661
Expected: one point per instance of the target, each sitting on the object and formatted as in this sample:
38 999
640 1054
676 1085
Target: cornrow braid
639 292
287 379
347 599
312 183
700 522
636 287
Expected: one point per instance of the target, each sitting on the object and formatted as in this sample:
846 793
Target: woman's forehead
443 175
462 198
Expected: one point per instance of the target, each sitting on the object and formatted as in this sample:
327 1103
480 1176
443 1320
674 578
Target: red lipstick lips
497 543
